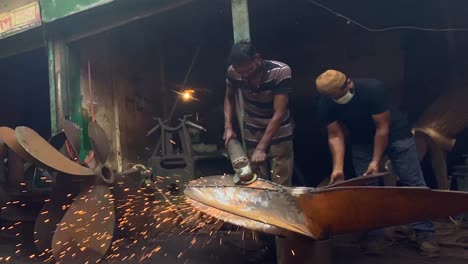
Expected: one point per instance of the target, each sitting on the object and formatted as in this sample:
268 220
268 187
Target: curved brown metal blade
318 213
99 141
261 201
85 233
238 220
46 223
9 137
353 209
72 131
47 155
52 213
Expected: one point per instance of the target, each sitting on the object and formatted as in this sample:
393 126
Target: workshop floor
226 248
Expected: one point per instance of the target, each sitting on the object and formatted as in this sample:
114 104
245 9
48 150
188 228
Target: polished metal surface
262 201
238 220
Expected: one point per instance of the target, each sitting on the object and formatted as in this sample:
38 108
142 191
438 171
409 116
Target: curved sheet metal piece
72 131
99 141
85 233
358 181
238 220
47 155
353 209
261 201
319 213
9 137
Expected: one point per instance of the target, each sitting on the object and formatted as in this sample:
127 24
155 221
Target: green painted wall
55 9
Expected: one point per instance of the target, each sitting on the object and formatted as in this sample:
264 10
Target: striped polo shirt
258 101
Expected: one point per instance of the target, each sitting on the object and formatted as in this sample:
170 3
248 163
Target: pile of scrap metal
78 217
319 213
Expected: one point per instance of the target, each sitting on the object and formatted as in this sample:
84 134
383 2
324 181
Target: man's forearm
270 131
228 110
380 143
337 149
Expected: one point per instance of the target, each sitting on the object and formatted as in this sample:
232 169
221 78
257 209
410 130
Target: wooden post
241 29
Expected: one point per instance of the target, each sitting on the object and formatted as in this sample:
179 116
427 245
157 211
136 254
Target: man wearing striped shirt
258 90
264 86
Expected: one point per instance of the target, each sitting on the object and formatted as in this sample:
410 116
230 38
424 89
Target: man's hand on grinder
228 135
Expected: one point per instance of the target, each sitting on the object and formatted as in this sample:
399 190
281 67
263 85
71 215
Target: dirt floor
226 248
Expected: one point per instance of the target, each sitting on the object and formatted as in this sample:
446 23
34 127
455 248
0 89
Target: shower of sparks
144 214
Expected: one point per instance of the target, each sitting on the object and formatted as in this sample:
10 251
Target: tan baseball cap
330 82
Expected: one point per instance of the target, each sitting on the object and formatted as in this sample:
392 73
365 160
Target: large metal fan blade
318 213
264 227
53 211
47 155
72 131
46 222
352 209
99 141
238 220
261 201
85 233
9 137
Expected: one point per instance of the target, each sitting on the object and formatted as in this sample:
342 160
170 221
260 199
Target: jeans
405 162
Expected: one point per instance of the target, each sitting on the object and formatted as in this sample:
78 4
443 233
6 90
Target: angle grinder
244 175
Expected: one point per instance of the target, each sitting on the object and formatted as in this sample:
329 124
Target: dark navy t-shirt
370 98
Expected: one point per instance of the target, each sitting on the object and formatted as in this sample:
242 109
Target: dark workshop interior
418 67
127 70
24 80
187 49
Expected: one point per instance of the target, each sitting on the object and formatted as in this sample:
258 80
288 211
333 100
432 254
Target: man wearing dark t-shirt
376 128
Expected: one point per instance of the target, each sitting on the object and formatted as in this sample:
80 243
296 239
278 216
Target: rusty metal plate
47 155
99 141
262 201
9 137
85 233
354 209
319 213
73 132
238 220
